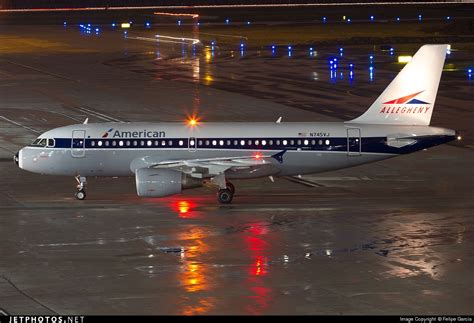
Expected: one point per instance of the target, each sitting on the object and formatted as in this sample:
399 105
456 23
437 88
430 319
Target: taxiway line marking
19 124
99 115
303 181
41 71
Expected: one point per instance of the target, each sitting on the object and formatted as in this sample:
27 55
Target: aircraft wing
210 167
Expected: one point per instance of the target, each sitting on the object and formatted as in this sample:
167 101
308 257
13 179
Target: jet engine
163 182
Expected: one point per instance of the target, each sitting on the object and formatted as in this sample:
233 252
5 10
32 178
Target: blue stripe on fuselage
369 144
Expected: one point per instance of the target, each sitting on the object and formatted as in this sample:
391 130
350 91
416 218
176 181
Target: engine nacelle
163 182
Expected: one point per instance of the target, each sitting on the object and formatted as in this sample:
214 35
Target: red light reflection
260 295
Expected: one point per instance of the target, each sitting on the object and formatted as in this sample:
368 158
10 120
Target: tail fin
410 98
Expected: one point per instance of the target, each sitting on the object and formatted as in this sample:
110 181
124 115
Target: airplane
166 158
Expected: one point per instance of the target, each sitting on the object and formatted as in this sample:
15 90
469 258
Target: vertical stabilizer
410 98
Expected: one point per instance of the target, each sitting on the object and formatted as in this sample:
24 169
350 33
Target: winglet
86 121
278 120
279 156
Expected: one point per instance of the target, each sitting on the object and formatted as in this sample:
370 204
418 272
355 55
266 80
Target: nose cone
17 159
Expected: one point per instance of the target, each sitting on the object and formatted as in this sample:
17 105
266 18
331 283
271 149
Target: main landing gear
81 187
225 195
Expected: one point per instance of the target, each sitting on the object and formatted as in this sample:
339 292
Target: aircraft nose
17 159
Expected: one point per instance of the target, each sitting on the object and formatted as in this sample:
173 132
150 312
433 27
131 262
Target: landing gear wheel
80 195
230 187
81 185
225 196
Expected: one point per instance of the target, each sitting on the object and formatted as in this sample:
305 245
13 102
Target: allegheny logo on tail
398 105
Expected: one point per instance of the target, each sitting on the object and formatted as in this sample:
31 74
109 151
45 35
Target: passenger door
353 142
78 143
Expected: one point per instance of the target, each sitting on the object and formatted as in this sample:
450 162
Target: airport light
398 19
344 18
372 18
113 25
97 30
448 18
348 20
147 24
469 70
420 17
248 22
125 25
64 23
404 59
324 19
227 21
179 22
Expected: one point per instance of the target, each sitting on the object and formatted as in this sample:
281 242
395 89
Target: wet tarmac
386 238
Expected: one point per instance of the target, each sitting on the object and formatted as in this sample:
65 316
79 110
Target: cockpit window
51 142
40 142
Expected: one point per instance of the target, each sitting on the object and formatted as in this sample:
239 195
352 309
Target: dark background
16 4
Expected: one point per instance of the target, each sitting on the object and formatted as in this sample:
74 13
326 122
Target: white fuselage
119 149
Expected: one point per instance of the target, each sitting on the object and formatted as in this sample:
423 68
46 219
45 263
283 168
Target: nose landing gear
81 187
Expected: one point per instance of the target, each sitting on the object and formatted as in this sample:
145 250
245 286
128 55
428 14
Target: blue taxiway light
469 70
348 20
248 22
97 30
324 19
289 47
420 17
65 23
179 22
398 19
372 18
113 24
227 21
448 18
147 24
